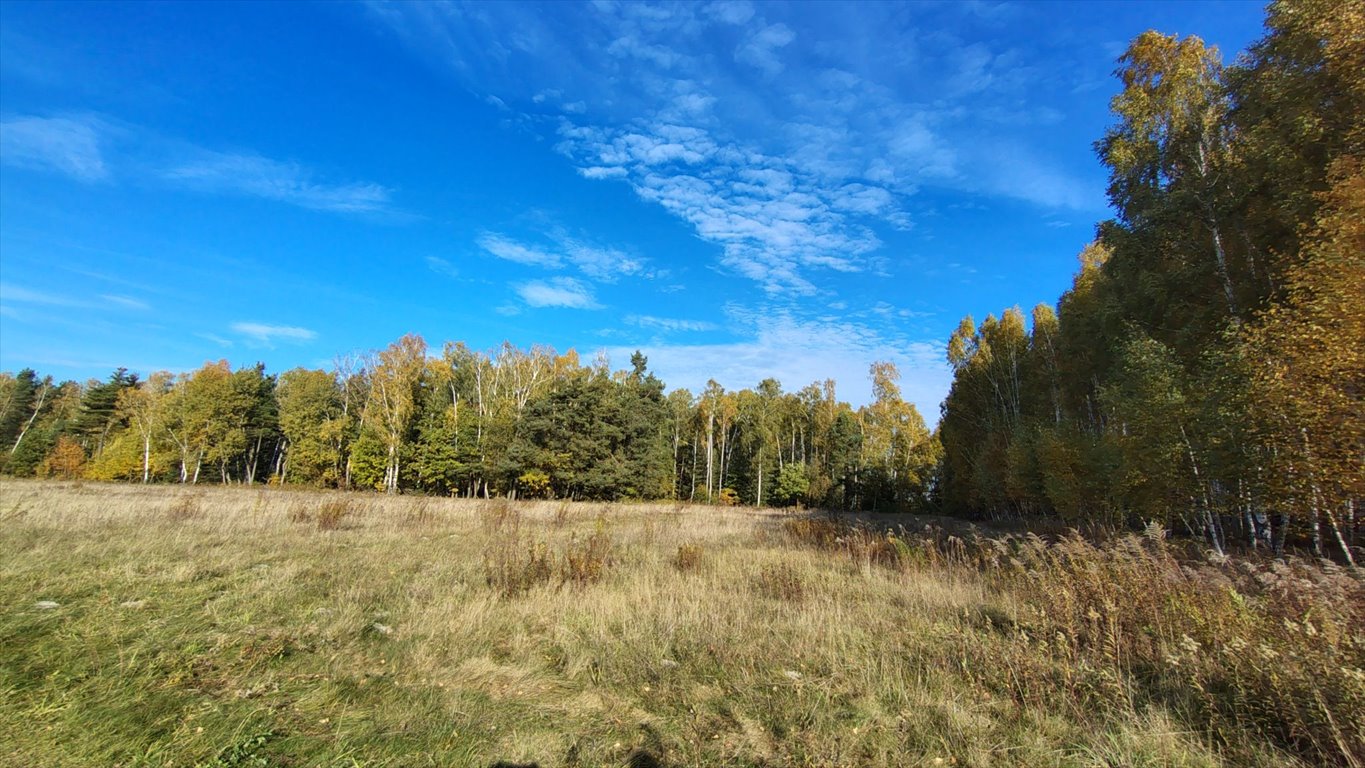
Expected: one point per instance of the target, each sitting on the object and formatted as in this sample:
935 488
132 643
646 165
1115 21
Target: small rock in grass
132 604
383 629
46 605
792 674
668 664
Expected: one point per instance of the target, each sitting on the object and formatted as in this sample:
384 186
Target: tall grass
423 631
1247 653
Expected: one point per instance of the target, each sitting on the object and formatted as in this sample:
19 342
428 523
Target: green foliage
534 484
243 754
792 485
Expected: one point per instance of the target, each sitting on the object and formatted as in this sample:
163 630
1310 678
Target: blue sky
741 190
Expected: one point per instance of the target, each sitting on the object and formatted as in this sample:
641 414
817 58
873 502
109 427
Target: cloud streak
286 182
267 335
69 146
90 148
563 292
510 250
668 324
596 262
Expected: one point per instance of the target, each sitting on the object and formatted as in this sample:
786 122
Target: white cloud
15 293
21 295
268 334
601 172
788 174
442 267
761 49
597 262
772 220
557 292
66 145
733 12
506 248
126 302
668 324
286 182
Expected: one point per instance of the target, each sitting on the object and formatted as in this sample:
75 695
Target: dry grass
419 631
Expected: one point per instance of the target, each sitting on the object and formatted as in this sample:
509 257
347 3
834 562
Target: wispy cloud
510 250
792 173
772 220
62 144
762 48
558 292
286 182
669 324
17 294
442 267
597 262
126 302
267 335
22 295
87 147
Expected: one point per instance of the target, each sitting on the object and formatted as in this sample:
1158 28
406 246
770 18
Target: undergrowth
1244 650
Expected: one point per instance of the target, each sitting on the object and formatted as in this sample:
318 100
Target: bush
511 570
585 561
793 483
534 484
688 557
331 513
66 460
513 565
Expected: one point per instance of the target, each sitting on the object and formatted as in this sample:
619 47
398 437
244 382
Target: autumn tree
395 379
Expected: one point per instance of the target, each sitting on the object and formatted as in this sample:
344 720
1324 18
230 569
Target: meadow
230 626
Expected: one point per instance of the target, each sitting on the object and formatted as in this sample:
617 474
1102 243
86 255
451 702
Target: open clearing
228 626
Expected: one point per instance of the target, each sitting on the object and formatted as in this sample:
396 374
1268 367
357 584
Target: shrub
511 570
66 460
534 484
513 565
792 485
585 561
813 532
331 513
688 557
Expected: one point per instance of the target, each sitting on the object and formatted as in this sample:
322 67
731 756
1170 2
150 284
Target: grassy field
248 627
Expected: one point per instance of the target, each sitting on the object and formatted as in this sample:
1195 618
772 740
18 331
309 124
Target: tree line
527 423
1207 367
